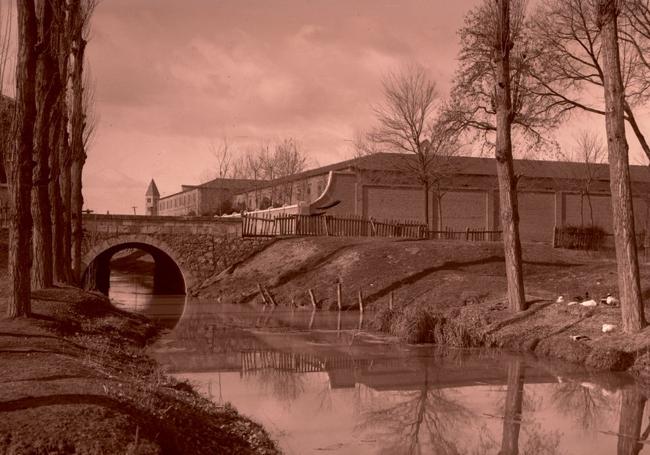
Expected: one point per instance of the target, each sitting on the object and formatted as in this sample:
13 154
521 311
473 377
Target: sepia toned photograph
347 227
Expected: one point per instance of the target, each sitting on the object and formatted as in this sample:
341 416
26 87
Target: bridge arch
171 276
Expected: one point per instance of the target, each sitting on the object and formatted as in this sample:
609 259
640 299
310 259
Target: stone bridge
186 250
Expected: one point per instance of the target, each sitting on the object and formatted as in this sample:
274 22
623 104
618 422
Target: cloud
172 75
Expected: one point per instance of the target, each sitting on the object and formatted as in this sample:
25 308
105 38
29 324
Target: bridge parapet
199 246
137 224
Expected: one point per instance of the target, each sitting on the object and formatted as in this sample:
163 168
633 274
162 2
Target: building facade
207 199
464 196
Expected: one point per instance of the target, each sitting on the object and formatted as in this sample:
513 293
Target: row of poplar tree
45 150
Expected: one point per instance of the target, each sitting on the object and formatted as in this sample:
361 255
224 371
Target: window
149 200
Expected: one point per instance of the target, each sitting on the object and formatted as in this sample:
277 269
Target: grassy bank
546 329
75 379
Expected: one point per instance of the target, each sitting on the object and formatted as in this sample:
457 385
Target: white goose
588 302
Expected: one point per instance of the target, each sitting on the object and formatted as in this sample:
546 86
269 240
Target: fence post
555 236
466 233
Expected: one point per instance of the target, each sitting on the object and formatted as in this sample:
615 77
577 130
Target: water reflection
348 392
132 289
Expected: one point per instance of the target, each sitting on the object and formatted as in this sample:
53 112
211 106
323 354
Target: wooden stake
259 286
270 297
390 301
338 295
311 319
360 296
313 299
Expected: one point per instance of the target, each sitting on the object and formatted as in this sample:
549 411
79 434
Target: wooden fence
352 226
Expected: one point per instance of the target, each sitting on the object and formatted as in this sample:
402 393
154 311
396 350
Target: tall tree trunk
66 193
505 171
56 203
512 412
77 129
19 164
77 202
619 173
47 94
63 148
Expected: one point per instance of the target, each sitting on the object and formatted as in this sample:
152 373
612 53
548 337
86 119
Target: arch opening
168 278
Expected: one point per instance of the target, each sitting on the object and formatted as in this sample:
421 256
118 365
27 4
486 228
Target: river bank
75 379
452 293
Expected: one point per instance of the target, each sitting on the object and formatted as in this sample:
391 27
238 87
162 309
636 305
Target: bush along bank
76 379
570 333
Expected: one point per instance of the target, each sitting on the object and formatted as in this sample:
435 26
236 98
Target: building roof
152 190
235 185
467 165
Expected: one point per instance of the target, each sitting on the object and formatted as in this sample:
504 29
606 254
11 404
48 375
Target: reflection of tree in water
285 386
630 423
587 405
420 422
428 420
536 441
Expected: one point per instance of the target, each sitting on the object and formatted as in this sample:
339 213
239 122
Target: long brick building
550 193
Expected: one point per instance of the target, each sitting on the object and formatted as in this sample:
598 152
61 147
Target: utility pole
134 207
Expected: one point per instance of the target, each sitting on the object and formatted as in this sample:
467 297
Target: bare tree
48 91
19 164
222 155
253 170
568 51
408 123
473 101
619 172
81 11
289 160
60 161
503 152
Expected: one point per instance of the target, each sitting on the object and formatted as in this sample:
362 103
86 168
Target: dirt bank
452 293
75 380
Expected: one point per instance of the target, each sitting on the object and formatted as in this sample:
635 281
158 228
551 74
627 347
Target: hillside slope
437 273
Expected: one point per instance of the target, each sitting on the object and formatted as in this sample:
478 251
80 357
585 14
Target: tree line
520 75
262 164
45 152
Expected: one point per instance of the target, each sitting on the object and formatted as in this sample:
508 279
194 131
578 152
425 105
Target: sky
172 77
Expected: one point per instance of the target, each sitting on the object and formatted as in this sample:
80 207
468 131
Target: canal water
321 386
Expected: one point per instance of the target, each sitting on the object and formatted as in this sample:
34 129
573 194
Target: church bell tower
152 196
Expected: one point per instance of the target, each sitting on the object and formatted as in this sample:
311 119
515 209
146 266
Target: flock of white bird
588 302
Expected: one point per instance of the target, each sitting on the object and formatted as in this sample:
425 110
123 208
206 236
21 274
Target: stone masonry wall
200 247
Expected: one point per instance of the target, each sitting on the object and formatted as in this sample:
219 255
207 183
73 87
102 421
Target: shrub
413 325
580 238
